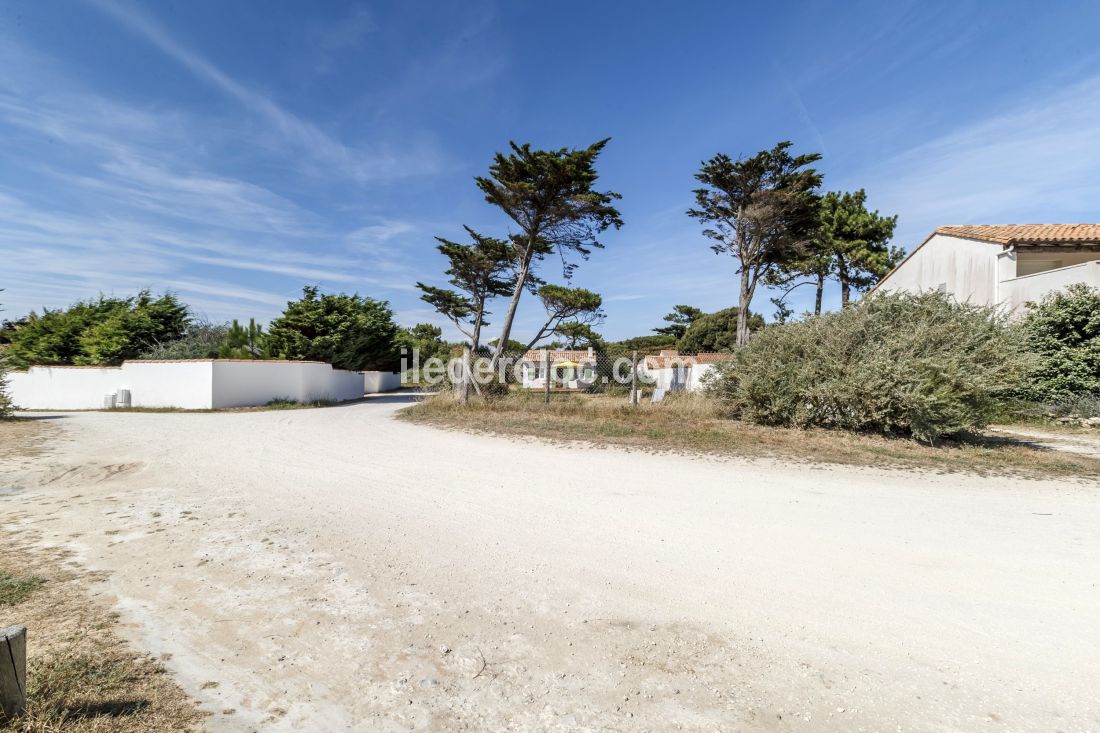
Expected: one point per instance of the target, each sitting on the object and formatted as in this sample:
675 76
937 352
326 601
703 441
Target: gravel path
337 569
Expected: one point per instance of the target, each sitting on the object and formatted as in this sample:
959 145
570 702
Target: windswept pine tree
551 198
762 210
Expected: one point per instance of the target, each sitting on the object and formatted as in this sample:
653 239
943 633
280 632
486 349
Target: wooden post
634 378
547 376
13 671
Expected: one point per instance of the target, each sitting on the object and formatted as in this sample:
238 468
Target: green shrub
7 409
920 365
1063 331
100 331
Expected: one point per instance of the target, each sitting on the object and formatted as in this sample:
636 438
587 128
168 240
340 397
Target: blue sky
233 152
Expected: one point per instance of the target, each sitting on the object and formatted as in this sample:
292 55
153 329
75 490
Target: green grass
284 403
15 589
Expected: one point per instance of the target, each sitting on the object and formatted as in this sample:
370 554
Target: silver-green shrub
912 364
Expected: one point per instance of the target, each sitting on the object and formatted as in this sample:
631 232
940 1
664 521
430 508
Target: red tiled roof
539 355
1026 233
670 359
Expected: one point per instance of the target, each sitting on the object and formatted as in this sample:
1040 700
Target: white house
570 368
671 371
1000 264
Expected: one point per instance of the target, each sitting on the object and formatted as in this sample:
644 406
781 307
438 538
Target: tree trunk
743 308
820 291
845 284
475 337
509 316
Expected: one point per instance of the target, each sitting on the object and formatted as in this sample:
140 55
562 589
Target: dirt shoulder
697 426
81 675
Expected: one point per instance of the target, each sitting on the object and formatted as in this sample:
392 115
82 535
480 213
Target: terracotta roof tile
1025 233
667 359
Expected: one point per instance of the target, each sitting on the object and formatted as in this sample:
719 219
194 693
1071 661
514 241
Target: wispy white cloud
1032 161
325 151
376 237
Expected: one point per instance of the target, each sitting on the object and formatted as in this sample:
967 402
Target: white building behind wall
192 384
672 372
995 264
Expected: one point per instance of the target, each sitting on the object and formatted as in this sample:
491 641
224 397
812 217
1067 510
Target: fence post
547 379
634 378
13 671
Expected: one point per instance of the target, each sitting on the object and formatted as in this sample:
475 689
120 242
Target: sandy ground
336 569
1081 443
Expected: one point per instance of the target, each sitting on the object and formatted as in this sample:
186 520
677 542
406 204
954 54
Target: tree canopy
575 305
244 342
348 331
101 331
577 335
715 331
678 320
857 241
761 210
479 271
551 198
851 245
427 340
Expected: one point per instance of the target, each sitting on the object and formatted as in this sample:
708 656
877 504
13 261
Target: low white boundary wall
381 382
189 384
243 383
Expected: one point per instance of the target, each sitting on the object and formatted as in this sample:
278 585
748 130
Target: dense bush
201 340
348 331
922 365
101 331
1063 331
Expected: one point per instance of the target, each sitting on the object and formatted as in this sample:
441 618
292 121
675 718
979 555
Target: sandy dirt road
336 569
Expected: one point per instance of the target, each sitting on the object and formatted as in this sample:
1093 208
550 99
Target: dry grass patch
80 675
22 437
695 424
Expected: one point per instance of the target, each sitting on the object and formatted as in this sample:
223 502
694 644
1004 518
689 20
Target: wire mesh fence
632 374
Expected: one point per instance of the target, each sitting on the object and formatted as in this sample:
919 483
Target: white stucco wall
183 384
693 377
374 382
966 268
188 384
244 383
1016 292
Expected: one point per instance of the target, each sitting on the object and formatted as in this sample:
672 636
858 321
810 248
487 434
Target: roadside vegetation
81 676
894 380
699 424
894 364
